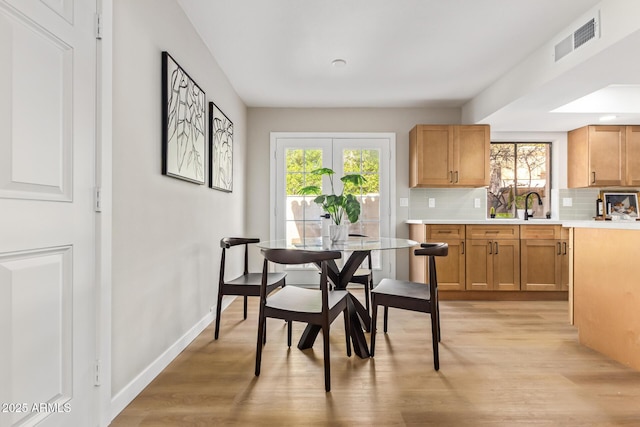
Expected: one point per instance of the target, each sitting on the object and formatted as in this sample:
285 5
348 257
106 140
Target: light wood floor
501 364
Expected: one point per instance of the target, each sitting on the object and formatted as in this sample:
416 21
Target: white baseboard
131 390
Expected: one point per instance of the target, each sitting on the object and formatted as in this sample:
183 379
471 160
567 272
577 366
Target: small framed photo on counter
621 204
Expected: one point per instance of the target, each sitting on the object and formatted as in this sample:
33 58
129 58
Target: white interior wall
263 121
165 231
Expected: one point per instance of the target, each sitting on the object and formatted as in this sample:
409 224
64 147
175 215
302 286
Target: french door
296 216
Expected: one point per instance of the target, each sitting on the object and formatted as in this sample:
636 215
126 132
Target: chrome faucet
526 204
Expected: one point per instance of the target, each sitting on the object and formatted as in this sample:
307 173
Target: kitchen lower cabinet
493 265
486 259
544 258
450 269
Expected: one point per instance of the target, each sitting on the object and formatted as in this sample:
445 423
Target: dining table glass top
352 244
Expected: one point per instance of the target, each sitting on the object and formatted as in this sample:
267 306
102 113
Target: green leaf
323 171
354 178
352 207
309 189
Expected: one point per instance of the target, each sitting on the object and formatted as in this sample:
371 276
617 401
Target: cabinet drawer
540 231
444 231
493 232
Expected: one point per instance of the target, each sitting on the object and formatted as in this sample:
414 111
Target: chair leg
289 333
347 330
367 294
374 318
386 318
245 307
218 313
435 326
327 359
438 318
262 326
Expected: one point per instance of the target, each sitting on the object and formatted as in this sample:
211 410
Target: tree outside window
518 168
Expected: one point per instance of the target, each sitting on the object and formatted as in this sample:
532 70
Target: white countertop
620 225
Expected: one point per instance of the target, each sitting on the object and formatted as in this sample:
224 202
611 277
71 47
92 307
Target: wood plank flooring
502 363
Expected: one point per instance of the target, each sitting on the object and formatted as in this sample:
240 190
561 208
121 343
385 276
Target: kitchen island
606 288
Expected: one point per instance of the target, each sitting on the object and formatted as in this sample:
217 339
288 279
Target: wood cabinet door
471 155
479 265
451 268
541 264
506 265
565 265
431 156
417 264
606 155
632 163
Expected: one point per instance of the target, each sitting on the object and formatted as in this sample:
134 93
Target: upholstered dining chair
312 306
412 296
245 285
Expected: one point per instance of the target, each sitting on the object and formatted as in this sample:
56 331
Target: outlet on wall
432 202
567 201
476 203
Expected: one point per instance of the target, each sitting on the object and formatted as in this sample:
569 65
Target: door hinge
97 202
96 373
98 25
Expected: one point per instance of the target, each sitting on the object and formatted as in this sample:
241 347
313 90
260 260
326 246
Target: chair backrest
229 242
433 250
294 256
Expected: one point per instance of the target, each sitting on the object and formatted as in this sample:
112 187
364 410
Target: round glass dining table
359 248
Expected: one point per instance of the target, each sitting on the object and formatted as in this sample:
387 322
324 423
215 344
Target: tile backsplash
460 203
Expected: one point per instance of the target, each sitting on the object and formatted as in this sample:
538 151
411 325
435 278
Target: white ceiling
404 53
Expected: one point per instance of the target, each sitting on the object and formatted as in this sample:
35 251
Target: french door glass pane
367 163
302 214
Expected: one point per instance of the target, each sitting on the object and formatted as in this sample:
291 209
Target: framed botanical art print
220 150
183 123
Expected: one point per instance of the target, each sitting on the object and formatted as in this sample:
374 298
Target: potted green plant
337 205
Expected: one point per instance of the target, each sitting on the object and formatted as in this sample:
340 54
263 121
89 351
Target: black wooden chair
312 306
364 276
412 296
246 285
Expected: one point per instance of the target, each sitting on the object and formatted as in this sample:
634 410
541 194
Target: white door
297 217
47 238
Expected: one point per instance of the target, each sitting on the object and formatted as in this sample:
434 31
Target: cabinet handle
451 177
496 243
462 246
593 177
456 177
444 231
564 246
490 248
559 249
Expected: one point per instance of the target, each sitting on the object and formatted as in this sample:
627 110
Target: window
519 168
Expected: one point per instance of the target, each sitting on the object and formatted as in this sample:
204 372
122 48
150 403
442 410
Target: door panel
47 176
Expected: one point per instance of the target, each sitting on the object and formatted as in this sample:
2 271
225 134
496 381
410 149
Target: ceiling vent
587 32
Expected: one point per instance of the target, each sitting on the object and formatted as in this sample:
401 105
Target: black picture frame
183 123
220 150
620 203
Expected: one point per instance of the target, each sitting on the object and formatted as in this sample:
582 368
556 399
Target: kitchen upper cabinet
449 156
632 164
492 258
597 157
